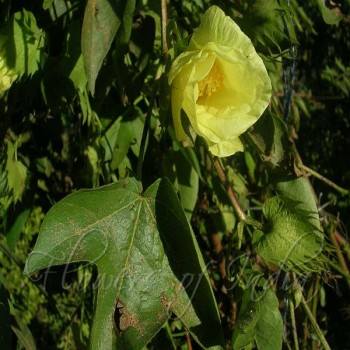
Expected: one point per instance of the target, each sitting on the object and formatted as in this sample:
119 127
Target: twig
324 179
233 199
231 195
311 317
164 21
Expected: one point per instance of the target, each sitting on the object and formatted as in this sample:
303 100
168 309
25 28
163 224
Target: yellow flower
220 82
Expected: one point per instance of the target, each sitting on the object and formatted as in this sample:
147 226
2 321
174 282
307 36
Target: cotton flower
221 84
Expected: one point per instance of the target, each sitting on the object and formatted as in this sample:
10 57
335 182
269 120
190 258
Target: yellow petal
220 29
226 148
220 82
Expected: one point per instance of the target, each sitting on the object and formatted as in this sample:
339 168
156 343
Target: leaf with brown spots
148 262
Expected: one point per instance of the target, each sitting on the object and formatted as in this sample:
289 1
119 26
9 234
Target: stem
294 328
233 199
340 257
145 131
311 317
188 341
164 21
324 179
230 193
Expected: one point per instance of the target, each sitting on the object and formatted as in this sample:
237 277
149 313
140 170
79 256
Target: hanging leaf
148 262
292 240
101 22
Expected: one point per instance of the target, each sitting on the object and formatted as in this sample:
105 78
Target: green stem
344 268
294 328
147 123
311 317
324 179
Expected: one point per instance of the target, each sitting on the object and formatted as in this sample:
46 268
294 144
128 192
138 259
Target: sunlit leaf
21 43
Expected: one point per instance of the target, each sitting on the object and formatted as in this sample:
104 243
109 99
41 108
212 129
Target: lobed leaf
148 262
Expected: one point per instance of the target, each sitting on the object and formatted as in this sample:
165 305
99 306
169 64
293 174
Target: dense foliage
114 234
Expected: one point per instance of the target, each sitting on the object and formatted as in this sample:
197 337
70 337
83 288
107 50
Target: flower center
211 83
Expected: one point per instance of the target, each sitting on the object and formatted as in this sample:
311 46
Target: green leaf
188 182
72 62
292 240
23 43
268 23
248 317
331 12
269 328
47 4
101 22
270 137
259 320
129 136
14 222
148 261
301 190
126 25
16 173
21 330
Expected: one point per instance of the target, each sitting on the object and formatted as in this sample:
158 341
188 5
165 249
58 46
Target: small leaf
292 240
16 173
148 262
101 22
331 12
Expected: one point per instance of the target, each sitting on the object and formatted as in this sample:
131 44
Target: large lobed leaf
148 262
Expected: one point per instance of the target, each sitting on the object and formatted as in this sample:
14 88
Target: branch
233 199
324 179
164 21
311 317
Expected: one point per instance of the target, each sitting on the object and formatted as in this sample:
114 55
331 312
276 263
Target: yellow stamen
211 83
